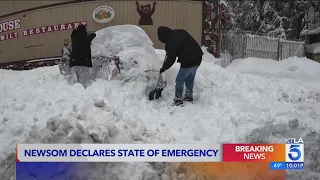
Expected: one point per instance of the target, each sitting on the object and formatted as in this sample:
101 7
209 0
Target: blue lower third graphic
286 165
277 166
50 170
295 165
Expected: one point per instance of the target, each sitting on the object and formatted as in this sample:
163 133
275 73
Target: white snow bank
313 48
39 106
292 67
207 56
43 108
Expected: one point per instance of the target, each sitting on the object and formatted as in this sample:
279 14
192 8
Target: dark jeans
185 76
81 74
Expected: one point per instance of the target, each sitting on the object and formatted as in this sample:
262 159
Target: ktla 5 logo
295 152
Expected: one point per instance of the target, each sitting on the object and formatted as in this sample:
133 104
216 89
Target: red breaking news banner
253 153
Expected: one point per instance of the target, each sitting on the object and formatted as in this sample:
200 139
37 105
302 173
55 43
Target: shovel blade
155 94
151 95
158 93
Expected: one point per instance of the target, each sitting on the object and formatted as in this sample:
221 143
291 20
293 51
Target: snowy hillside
237 104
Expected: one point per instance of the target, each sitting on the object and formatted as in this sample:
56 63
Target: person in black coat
81 46
180 44
81 54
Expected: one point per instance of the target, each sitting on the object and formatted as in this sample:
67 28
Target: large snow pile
294 67
129 42
140 62
115 39
39 106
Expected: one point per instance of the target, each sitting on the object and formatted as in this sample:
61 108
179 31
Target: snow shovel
161 84
156 93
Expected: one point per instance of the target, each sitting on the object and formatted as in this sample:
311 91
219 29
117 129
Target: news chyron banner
61 161
289 156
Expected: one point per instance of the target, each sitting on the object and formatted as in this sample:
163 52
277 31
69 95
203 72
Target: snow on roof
265 37
313 48
313 31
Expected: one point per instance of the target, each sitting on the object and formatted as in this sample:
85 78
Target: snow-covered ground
293 68
253 100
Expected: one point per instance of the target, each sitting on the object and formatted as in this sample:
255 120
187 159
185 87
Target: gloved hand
162 70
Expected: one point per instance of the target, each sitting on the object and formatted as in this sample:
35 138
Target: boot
188 98
177 102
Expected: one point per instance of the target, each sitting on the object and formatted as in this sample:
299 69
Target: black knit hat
82 28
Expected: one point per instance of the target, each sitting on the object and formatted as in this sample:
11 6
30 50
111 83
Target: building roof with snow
311 32
313 48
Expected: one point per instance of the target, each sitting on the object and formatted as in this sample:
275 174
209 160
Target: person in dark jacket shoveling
81 53
179 43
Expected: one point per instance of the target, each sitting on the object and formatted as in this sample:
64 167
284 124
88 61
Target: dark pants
81 75
186 77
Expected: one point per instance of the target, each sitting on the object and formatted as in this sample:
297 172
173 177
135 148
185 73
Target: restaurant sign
15 24
9 26
52 28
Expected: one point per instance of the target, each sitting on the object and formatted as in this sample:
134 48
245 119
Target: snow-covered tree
293 15
278 18
272 22
245 15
